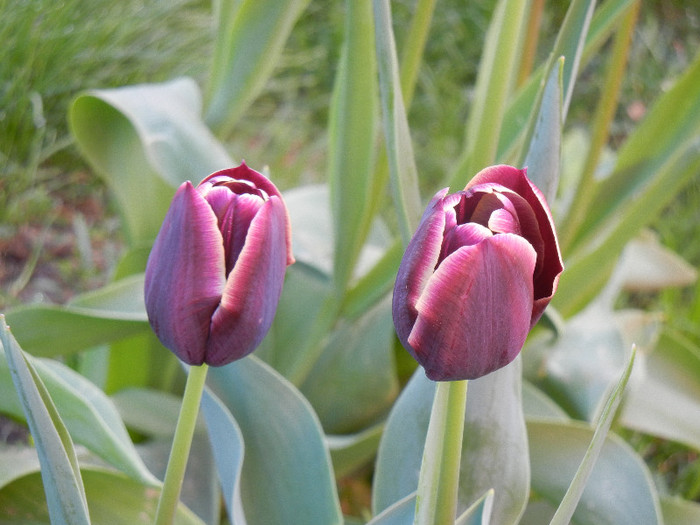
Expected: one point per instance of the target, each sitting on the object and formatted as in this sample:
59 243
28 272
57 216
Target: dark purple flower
215 274
477 275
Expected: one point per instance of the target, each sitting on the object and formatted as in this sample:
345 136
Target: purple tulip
215 274
477 275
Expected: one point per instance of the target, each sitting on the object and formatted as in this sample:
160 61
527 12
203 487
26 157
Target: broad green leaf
571 499
146 140
402 166
494 84
354 381
543 158
580 367
65 494
251 36
652 186
114 312
87 413
402 512
537 405
227 446
17 461
677 511
620 490
649 266
149 412
664 397
283 441
651 166
480 511
352 129
494 447
351 451
114 500
605 19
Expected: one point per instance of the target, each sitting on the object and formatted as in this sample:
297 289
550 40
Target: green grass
53 50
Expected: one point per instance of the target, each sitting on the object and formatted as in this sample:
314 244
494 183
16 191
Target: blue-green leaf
494 429
114 312
251 36
146 140
352 128
573 494
65 493
620 490
283 441
402 166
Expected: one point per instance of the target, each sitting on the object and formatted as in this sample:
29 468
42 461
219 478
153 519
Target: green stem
180 452
436 500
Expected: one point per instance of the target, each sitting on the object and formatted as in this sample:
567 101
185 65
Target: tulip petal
253 288
418 264
474 314
185 275
258 180
516 180
235 223
464 235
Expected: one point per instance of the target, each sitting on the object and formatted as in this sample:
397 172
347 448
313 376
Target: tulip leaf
63 485
86 412
148 412
589 267
678 511
620 490
573 494
655 163
402 512
664 398
113 498
354 381
402 166
543 158
351 451
283 441
145 140
579 368
352 128
109 314
227 446
494 429
497 71
250 39
480 511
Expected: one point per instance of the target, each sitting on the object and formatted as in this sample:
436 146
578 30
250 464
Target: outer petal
185 275
253 288
243 172
418 264
474 314
516 180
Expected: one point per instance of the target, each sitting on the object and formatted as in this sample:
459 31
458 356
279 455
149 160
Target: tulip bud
215 273
477 275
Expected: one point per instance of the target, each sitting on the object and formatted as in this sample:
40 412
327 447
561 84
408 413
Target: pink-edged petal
258 180
488 203
236 221
418 264
464 235
474 314
185 275
503 221
516 180
253 288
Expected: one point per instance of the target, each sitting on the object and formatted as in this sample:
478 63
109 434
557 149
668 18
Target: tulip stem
180 451
436 499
